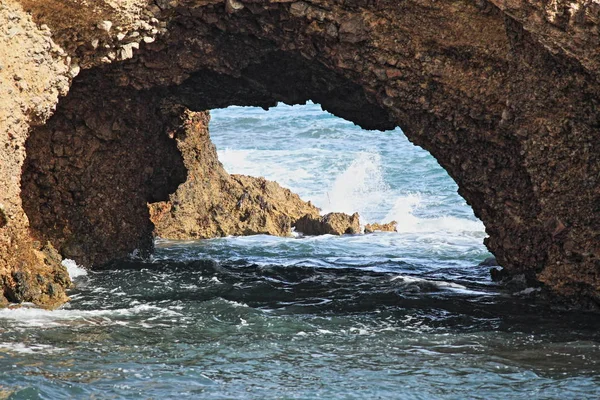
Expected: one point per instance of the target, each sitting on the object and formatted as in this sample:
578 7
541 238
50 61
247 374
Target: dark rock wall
92 169
554 115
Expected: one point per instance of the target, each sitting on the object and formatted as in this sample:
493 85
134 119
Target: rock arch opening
486 98
110 149
338 166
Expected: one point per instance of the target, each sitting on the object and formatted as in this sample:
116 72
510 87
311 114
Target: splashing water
403 213
73 269
360 188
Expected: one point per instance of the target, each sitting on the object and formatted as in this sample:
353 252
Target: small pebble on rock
105 25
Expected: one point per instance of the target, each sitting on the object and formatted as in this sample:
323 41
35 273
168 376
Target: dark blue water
405 315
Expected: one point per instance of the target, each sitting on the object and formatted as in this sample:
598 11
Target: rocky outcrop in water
212 203
504 94
330 224
389 227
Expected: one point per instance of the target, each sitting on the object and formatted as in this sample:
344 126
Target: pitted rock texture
504 94
330 224
32 76
389 227
92 169
212 203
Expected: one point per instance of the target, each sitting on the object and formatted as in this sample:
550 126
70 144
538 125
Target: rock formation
389 227
504 94
212 203
330 224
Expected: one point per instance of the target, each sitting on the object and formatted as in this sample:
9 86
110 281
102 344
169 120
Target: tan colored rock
105 25
329 224
30 75
212 203
43 283
389 227
233 6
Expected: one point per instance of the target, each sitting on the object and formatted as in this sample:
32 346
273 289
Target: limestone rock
30 74
105 25
232 6
41 280
329 224
389 227
212 203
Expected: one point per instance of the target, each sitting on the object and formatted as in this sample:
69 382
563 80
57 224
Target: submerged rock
330 224
389 227
489 262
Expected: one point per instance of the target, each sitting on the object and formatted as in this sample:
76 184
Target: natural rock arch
507 105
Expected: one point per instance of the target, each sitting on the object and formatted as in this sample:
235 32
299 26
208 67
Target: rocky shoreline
212 203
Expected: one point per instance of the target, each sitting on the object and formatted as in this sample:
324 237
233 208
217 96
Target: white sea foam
360 188
236 161
36 317
24 348
359 331
402 212
444 285
28 316
280 166
440 284
73 269
528 291
235 303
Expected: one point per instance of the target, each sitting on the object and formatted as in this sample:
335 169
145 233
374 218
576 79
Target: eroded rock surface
92 169
32 76
212 203
504 94
330 224
389 227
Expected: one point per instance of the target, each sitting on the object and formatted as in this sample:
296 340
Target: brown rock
389 227
28 92
212 203
330 224
353 30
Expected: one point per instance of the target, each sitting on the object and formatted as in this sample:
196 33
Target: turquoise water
405 315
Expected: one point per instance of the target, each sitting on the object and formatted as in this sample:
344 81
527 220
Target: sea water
406 315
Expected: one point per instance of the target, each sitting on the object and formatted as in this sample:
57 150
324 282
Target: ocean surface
406 315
